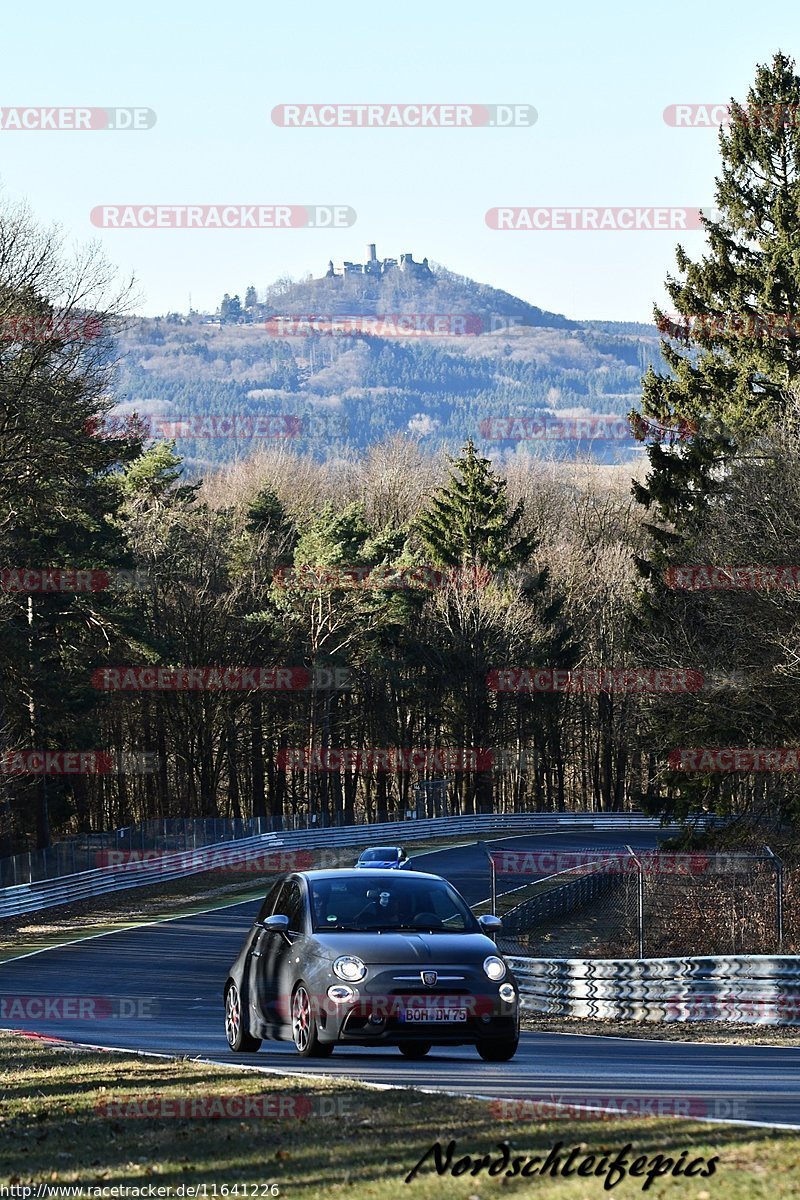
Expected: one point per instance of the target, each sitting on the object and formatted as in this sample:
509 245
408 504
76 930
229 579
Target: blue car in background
387 858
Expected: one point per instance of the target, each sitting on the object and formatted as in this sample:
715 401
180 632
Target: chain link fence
644 904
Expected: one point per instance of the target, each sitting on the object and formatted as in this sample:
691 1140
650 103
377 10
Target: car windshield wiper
402 929
387 929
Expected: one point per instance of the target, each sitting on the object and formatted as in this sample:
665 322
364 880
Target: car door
272 957
252 973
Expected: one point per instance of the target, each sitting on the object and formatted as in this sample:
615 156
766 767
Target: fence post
492 875
639 899
779 897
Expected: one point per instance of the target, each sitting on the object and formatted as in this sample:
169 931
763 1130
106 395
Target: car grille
442 978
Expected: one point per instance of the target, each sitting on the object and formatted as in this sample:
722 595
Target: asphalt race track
159 988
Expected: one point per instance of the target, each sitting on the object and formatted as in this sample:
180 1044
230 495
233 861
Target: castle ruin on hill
380 267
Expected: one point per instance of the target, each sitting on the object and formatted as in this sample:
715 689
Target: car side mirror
490 924
277 923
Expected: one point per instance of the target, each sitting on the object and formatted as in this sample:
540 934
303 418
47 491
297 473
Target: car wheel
498 1051
415 1049
239 1038
304 1027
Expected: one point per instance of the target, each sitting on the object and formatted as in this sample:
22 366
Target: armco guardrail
758 989
79 852
47 893
31 897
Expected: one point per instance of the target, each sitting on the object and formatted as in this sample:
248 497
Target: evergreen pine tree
469 522
734 350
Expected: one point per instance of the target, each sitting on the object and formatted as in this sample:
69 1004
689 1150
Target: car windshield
401 903
380 854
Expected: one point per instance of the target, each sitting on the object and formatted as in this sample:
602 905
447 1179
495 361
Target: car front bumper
376 1015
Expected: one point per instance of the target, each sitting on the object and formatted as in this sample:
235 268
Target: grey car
371 958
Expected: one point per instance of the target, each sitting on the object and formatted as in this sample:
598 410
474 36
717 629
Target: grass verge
328 1138
506 901
733 1033
122 910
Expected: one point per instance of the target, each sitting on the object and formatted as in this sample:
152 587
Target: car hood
400 948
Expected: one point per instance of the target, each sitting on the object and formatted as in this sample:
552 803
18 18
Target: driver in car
381 909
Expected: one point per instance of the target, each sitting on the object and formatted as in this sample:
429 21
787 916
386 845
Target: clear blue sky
599 76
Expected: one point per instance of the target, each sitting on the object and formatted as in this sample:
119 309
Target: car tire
304 1027
414 1049
239 1039
498 1050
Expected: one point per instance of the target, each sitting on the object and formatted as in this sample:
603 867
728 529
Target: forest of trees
214 590
540 565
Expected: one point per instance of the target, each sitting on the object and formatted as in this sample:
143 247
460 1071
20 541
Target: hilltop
403 287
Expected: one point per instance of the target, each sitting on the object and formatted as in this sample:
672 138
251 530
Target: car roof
372 849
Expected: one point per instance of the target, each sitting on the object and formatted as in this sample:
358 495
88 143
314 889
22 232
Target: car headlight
494 967
507 993
352 969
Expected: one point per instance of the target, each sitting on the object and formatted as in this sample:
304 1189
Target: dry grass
324 1139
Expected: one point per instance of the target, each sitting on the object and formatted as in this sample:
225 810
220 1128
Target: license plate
431 1014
